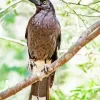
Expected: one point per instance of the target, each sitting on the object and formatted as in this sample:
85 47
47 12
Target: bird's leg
31 65
46 66
38 98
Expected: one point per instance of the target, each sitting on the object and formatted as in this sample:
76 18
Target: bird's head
43 4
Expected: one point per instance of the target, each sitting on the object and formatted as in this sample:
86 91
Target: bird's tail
40 90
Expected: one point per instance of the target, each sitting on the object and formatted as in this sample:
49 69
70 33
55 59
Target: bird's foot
46 68
31 65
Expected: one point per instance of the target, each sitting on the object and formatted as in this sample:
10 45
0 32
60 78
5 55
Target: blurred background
79 79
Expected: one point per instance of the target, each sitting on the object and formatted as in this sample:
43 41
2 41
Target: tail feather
40 90
40 98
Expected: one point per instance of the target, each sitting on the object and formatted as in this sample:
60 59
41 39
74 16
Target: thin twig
82 4
94 3
92 32
75 13
71 3
79 1
82 54
78 16
94 9
10 6
82 14
13 40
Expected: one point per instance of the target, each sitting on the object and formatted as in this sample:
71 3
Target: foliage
76 80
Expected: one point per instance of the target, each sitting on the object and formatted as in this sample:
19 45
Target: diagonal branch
79 2
94 3
88 6
82 14
75 13
88 35
10 6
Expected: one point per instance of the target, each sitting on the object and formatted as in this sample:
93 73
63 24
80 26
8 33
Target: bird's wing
26 33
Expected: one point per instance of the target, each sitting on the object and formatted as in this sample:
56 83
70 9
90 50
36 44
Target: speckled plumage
43 32
43 35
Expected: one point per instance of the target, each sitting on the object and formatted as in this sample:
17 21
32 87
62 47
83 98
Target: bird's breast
45 21
42 36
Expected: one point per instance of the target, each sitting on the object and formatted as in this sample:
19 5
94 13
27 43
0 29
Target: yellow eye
44 2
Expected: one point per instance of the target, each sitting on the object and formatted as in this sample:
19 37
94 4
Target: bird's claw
31 64
46 67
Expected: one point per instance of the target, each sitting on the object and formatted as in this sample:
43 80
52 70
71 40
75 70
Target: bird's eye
44 2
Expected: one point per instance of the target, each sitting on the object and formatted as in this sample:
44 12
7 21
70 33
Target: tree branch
82 14
75 13
88 6
10 6
79 1
88 35
13 40
94 3
82 4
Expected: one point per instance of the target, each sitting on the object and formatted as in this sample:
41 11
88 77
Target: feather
43 36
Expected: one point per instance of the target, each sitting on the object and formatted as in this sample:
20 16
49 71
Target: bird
43 35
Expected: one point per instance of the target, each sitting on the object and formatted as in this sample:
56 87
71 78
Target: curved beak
36 2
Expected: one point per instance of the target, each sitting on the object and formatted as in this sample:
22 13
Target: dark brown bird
43 36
